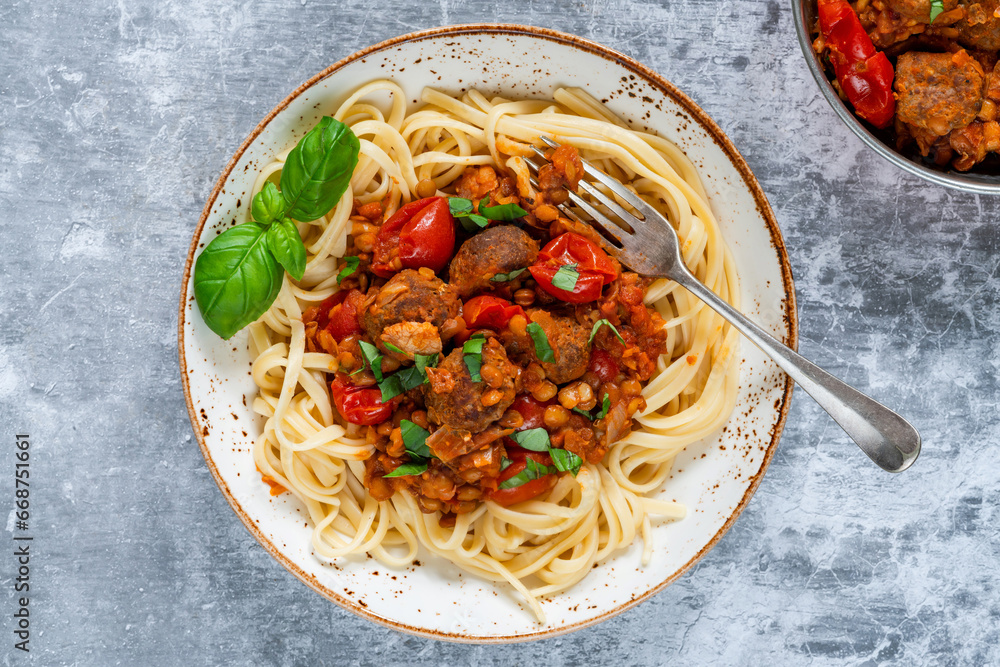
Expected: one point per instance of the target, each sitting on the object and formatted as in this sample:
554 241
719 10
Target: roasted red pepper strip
360 405
593 265
865 75
422 233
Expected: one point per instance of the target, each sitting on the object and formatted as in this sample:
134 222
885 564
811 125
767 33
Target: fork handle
888 439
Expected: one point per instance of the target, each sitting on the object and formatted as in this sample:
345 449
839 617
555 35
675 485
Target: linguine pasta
541 546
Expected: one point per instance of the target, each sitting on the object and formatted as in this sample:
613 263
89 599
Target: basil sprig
565 278
537 440
603 323
542 348
937 7
238 275
415 442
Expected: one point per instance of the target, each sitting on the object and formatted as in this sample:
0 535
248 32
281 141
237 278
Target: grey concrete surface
117 117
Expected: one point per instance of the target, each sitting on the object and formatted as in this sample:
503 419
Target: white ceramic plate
715 478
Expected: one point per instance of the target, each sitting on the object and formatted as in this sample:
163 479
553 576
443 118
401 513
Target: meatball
495 250
570 343
411 296
980 28
454 400
918 10
938 92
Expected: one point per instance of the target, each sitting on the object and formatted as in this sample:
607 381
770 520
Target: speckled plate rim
668 89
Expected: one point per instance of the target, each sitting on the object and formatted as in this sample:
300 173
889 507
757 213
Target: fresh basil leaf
473 223
459 206
532 470
391 387
507 277
373 357
268 205
504 212
603 323
318 170
350 266
583 412
566 461
236 279
392 348
422 361
535 439
408 469
505 463
566 277
605 407
472 353
286 245
937 7
542 348
414 438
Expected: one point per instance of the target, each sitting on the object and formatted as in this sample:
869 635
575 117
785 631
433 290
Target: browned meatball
454 400
569 341
980 29
938 92
500 249
918 10
408 297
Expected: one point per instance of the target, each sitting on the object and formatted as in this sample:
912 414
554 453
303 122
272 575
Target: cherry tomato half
489 312
603 365
531 410
593 265
422 233
360 405
339 314
528 490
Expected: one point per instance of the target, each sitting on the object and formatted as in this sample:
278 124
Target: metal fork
651 247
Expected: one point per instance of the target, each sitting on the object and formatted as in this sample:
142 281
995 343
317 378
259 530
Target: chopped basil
392 348
350 267
472 354
532 470
542 348
602 323
414 438
422 361
582 412
373 357
566 461
535 439
408 469
461 210
408 378
605 406
566 277
507 277
505 463
503 212
473 223
459 206
937 7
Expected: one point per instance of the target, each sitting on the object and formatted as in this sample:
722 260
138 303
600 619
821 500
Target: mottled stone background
117 117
